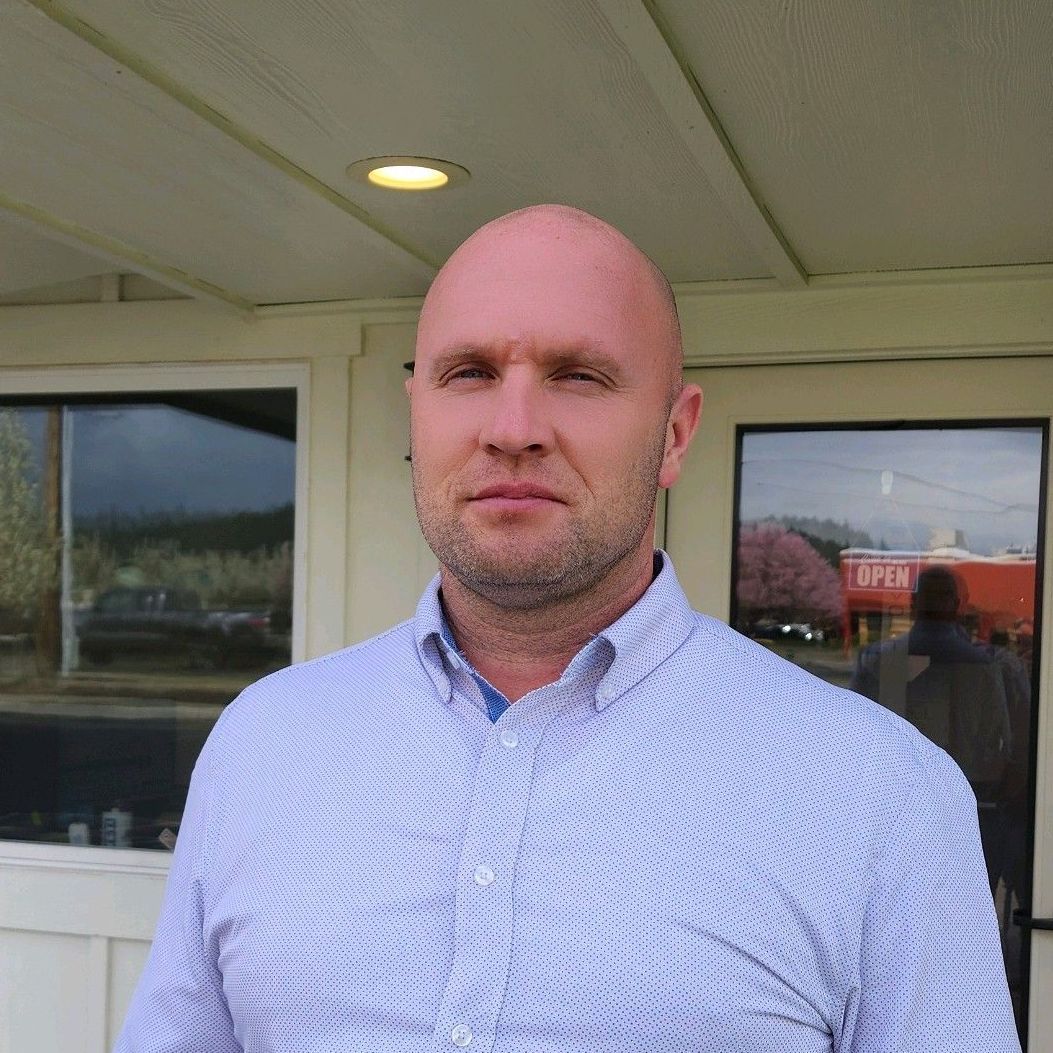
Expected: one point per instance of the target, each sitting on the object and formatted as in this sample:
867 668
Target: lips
515 492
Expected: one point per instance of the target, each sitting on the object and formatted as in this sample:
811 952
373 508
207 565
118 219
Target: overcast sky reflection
153 458
900 485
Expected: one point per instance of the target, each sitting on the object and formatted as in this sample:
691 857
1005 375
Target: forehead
550 286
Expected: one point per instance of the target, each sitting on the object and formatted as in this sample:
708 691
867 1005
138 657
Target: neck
521 650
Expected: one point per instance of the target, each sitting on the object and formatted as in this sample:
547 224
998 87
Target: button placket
475 990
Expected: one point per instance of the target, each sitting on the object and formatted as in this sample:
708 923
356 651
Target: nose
517 421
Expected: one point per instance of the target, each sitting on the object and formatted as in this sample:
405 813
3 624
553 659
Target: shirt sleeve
178 1005
932 975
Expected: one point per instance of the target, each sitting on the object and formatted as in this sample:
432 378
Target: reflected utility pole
70 655
57 639
49 633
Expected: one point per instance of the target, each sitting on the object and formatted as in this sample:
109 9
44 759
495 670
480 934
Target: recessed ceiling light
403 172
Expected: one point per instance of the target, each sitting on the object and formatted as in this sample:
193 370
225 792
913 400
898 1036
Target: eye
580 377
467 373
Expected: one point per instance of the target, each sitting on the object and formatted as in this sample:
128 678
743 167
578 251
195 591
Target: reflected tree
781 576
28 569
26 558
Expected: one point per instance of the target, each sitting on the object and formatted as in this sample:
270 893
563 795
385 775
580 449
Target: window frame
76 380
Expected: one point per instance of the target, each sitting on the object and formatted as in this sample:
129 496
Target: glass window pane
146 574
901 562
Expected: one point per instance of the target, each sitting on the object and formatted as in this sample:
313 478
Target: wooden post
49 624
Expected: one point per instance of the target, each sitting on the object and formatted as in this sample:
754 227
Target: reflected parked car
160 619
774 630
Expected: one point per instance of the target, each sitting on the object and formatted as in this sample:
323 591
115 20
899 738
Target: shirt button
605 694
461 1035
509 739
483 875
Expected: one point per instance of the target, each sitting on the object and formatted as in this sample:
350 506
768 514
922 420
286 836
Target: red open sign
885 575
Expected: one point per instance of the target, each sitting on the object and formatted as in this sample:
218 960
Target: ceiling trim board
121 254
111 288
909 353
395 306
139 332
651 45
1018 272
198 106
935 276
406 308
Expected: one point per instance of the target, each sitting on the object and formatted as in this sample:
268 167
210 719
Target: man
558 811
963 696
954 691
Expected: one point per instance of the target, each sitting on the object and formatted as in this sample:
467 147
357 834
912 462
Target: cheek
606 445
443 459
440 439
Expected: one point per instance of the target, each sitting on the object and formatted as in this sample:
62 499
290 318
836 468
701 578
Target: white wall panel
44 992
127 958
326 497
388 560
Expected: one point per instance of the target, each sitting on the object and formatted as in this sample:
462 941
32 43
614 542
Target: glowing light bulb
408 177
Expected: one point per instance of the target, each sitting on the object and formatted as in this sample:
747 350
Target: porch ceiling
204 143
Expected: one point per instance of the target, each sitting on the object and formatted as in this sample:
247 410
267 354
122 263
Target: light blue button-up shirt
685 843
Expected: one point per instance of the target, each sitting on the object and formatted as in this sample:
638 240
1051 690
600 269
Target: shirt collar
641 639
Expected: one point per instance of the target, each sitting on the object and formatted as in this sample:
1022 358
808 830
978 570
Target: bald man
558 811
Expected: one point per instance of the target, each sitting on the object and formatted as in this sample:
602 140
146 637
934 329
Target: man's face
540 412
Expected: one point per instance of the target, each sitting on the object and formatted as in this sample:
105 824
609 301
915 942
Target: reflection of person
558 810
973 700
951 689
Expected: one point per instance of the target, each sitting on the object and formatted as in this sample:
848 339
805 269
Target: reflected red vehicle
999 590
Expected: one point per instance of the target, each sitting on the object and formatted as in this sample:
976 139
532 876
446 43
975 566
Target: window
146 576
902 561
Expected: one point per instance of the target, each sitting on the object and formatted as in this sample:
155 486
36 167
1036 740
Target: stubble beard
574 560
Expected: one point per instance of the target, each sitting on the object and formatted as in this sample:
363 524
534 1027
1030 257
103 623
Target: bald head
546 409
561 235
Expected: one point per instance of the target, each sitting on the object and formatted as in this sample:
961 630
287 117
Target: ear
680 429
409 387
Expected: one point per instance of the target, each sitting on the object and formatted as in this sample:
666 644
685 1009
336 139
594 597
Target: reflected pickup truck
158 619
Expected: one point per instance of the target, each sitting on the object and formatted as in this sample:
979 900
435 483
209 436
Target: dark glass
902 562
146 574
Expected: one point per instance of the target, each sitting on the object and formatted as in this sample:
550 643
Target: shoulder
390 651
832 727
289 699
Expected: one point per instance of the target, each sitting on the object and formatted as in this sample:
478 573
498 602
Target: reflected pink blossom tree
782 577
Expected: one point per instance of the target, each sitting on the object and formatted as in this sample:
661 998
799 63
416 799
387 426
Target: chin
524 578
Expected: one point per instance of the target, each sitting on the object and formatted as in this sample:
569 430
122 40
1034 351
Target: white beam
652 47
117 252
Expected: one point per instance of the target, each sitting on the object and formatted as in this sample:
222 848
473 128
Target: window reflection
146 577
902 563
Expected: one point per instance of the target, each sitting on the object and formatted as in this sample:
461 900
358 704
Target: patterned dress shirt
684 844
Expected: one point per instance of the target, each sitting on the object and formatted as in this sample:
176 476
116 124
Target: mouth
514 497
515 492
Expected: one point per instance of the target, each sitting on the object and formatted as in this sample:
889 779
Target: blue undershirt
496 703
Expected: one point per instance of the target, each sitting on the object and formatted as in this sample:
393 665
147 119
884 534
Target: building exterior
176 234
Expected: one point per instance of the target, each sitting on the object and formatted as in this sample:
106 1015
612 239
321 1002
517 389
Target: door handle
1025 921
